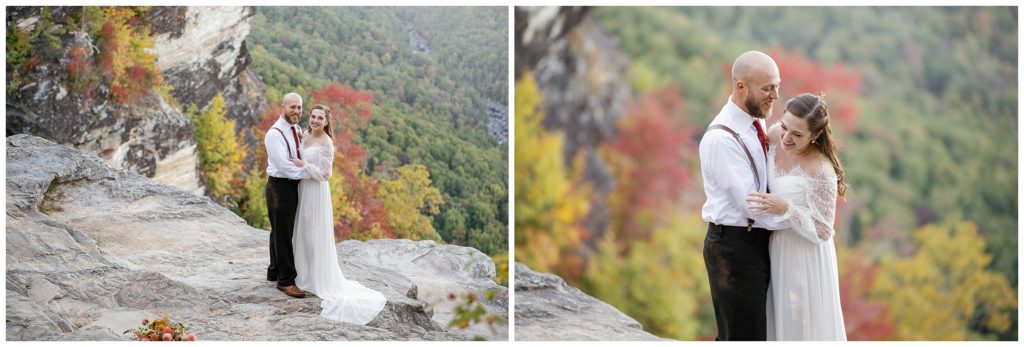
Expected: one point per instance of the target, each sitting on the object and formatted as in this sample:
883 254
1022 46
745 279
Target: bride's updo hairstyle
327 116
813 109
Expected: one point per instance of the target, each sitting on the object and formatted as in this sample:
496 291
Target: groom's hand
766 203
297 162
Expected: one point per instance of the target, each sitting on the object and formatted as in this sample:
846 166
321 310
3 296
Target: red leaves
351 111
344 102
865 319
650 156
124 62
78 63
801 74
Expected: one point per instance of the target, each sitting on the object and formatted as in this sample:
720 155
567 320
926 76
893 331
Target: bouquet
161 329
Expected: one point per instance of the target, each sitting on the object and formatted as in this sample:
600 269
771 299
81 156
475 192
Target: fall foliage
220 153
549 207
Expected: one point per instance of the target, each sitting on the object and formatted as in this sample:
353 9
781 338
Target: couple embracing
771 204
302 246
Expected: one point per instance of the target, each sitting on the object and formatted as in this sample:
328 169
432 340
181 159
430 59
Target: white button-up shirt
726 170
279 162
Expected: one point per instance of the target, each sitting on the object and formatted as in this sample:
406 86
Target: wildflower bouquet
160 329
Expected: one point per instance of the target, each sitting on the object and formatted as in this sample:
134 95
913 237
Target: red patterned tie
762 137
764 145
299 154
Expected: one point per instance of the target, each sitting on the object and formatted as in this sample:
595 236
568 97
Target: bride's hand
766 203
297 162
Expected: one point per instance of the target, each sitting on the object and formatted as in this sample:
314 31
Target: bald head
291 98
755 83
753 64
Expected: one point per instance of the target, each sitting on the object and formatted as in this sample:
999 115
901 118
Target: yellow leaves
342 204
548 206
501 267
124 47
220 155
405 197
939 292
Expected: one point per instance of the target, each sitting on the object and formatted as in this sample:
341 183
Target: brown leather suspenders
757 178
753 168
289 147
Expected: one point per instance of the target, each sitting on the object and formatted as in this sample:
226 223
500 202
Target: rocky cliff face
91 250
582 76
549 309
200 51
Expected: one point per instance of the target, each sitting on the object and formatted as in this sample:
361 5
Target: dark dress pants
282 200
739 272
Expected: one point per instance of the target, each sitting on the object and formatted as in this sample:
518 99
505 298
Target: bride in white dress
806 178
316 258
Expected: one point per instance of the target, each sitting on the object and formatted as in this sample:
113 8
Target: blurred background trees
924 104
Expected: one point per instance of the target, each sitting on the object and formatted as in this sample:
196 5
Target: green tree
661 282
254 204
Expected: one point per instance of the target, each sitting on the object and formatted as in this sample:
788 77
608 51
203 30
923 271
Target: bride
806 178
316 259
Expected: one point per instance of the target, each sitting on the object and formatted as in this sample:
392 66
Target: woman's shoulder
820 166
323 141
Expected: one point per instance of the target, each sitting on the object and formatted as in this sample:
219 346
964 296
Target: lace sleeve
320 167
814 221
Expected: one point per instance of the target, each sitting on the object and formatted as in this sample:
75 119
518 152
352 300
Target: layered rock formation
200 51
91 250
549 309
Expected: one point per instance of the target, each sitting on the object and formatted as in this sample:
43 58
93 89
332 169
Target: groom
733 161
282 144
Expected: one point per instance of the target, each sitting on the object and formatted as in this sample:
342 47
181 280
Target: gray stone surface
91 248
549 309
438 270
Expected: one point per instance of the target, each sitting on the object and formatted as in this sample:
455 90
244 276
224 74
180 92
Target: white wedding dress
803 296
316 258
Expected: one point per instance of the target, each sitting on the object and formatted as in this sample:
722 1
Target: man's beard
753 107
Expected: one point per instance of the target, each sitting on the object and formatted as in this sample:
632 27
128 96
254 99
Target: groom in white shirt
733 161
283 143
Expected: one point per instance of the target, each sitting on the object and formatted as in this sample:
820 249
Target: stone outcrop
548 309
91 250
200 51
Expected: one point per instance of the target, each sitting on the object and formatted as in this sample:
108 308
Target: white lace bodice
811 197
319 160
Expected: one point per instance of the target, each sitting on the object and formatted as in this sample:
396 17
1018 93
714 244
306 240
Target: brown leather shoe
292 291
